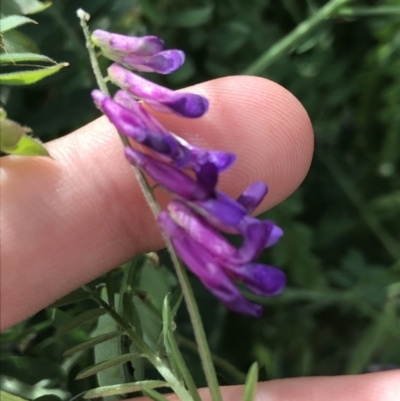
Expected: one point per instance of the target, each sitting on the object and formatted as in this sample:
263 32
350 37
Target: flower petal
117 44
221 212
222 160
253 196
255 236
274 236
98 98
163 62
156 96
168 176
200 231
205 267
263 280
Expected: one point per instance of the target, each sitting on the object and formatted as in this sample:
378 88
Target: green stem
292 39
157 362
83 18
199 333
369 11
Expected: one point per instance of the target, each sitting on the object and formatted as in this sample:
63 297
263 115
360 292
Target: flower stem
157 362
290 40
199 333
83 18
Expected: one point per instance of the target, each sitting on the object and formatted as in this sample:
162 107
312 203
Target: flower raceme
143 54
199 214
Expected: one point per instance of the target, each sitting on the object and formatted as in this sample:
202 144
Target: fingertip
260 121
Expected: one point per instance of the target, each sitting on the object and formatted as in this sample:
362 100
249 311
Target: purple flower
198 157
140 53
253 196
257 234
209 263
156 96
132 120
173 179
222 160
137 124
199 213
121 44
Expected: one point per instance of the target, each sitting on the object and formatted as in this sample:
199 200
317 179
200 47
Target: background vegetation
341 249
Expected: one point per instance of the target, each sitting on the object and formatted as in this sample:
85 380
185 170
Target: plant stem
83 18
199 333
292 39
369 11
157 362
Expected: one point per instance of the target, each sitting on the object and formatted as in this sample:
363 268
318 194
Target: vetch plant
198 216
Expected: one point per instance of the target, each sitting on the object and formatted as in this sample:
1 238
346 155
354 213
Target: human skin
66 220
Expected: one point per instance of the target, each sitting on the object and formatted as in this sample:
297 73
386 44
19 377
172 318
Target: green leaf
250 387
16 42
48 397
175 357
4 396
27 146
393 290
29 77
13 58
71 298
154 395
110 286
13 21
32 6
92 342
191 18
111 348
176 301
77 321
168 337
92 370
125 388
10 134
3 114
369 11
367 345
131 314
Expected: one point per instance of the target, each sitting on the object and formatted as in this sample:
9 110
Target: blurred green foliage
341 248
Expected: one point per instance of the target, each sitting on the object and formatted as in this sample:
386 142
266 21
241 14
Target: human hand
66 221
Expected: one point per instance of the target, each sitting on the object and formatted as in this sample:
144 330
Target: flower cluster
199 214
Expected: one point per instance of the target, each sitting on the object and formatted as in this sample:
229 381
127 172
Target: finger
384 386
69 220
